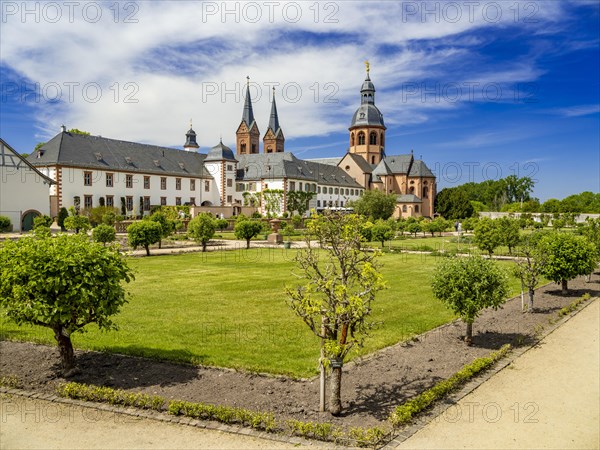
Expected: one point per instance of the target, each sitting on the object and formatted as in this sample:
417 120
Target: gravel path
547 398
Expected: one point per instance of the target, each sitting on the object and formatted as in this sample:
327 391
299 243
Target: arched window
254 150
382 140
361 138
372 159
425 192
403 208
243 148
373 138
411 190
416 208
351 139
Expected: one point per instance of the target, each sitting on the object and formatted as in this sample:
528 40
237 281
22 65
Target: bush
4 223
77 223
60 220
42 222
103 233
90 393
143 234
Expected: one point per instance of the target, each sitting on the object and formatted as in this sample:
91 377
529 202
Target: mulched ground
371 388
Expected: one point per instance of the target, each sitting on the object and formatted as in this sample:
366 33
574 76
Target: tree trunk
204 246
382 244
530 306
335 399
247 244
160 244
147 247
65 348
565 289
469 336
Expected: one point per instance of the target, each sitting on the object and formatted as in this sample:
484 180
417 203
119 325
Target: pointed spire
248 114
274 119
367 91
190 141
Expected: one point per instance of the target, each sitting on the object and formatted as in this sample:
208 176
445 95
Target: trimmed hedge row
109 395
405 412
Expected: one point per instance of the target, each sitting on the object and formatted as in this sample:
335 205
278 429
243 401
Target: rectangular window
129 203
163 183
319 189
251 186
299 186
292 185
229 167
192 201
163 201
87 178
87 201
240 187
109 180
146 182
110 201
177 201
318 203
330 190
229 182
128 181
192 185
207 186
337 191
178 184
146 203
229 199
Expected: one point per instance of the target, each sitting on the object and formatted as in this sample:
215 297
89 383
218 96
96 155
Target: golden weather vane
368 66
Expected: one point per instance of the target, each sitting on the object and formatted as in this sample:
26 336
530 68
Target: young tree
509 232
567 257
341 283
375 204
381 231
103 233
222 224
202 229
468 285
143 234
529 267
42 222
487 235
77 223
167 226
246 229
63 283
413 228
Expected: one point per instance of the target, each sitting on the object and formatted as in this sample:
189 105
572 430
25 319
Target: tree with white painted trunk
341 281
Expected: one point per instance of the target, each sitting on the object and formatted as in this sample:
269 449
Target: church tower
190 140
247 134
273 140
367 130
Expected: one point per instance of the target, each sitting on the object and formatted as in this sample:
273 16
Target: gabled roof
99 153
360 162
382 169
329 161
9 157
259 166
420 169
399 163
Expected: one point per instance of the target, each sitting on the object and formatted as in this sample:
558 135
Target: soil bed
371 387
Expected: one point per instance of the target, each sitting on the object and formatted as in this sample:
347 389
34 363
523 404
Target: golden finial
368 66
190 124
248 80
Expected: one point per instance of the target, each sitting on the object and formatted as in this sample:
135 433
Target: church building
91 171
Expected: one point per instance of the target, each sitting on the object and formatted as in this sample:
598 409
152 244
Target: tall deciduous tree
63 283
341 281
202 229
375 204
509 232
468 285
453 204
568 256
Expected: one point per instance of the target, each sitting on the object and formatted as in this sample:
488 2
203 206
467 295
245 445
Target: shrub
4 223
42 222
62 215
103 233
77 223
143 234
102 394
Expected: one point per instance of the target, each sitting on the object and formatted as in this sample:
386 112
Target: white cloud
578 111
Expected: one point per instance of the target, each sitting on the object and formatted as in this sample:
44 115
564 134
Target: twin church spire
248 135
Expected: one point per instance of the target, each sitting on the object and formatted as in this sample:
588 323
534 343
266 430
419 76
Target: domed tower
273 139
247 134
190 140
367 130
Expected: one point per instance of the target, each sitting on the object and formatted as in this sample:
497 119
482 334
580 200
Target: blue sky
478 89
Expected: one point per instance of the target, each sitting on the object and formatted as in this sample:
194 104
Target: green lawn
228 309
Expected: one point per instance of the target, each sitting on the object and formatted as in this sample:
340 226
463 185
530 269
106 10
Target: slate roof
99 153
367 114
328 161
408 198
382 169
361 162
399 163
259 166
8 160
420 169
220 152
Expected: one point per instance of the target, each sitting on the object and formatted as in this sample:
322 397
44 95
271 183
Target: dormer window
98 156
181 166
157 163
128 160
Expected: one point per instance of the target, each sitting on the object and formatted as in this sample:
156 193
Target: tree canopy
375 204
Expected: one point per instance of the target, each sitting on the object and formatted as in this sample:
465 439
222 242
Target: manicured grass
228 309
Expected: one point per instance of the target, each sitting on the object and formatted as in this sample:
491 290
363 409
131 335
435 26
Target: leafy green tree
529 266
469 223
340 285
63 283
167 225
381 231
37 147
568 256
509 232
43 221
60 220
143 234
298 201
222 224
77 131
96 214
469 285
77 223
487 235
375 204
414 228
103 233
247 229
202 229
558 223
518 189
453 204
